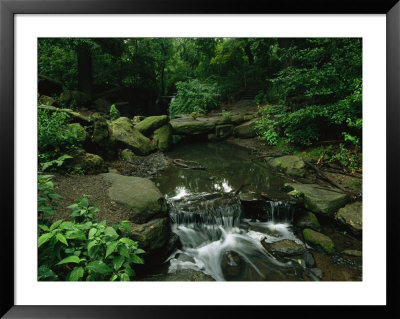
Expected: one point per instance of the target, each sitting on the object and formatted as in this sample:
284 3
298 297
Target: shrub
194 96
114 113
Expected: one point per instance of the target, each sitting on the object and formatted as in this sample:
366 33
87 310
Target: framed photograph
207 157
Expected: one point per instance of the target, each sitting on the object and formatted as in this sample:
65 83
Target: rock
232 265
138 118
46 100
102 105
139 194
186 275
308 220
124 132
319 200
245 130
283 248
234 119
100 131
48 86
162 137
189 126
151 123
253 205
127 155
352 252
90 163
290 164
308 259
223 131
77 130
75 97
351 217
319 240
151 236
317 272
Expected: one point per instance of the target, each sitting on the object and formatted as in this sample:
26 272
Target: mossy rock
246 130
90 163
163 137
100 131
188 126
223 131
153 235
309 220
127 155
124 132
350 217
77 130
151 123
320 240
46 100
290 164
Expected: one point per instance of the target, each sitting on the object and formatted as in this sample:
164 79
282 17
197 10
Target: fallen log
182 163
68 111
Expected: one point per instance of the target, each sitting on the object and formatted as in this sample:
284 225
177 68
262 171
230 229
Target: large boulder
308 220
139 194
245 130
124 132
319 240
284 248
162 137
48 86
351 217
151 123
317 199
290 164
153 235
190 126
89 163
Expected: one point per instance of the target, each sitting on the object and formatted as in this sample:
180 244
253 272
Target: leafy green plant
46 196
59 162
226 115
84 249
266 127
114 113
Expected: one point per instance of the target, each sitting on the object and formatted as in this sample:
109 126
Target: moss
151 123
127 155
314 220
163 137
320 240
77 130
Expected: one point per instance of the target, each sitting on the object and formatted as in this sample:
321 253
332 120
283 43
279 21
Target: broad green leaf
55 224
44 238
44 228
92 232
61 239
127 241
64 157
129 271
118 261
75 234
47 210
111 233
69 259
73 206
46 165
84 202
76 274
136 259
126 227
67 226
115 276
123 251
99 267
45 272
92 248
111 247
139 251
45 177
125 277
54 196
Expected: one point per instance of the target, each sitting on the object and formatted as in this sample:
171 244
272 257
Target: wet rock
190 126
139 194
320 240
90 163
138 118
223 131
232 265
253 205
352 252
283 248
124 132
245 130
46 100
77 130
290 164
317 272
308 220
163 137
308 259
127 155
151 123
185 258
350 216
317 199
186 275
48 86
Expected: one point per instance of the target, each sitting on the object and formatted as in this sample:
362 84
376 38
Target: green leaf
123 251
118 261
129 271
69 259
67 226
73 206
139 251
55 224
125 277
84 202
111 233
136 259
99 267
125 226
45 272
115 276
44 238
75 234
111 247
61 239
127 241
44 228
46 165
76 274
92 232
92 248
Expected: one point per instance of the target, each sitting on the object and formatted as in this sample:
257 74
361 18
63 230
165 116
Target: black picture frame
9 8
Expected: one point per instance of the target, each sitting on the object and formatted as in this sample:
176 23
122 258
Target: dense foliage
82 249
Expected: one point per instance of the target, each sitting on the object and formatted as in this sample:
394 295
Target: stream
220 235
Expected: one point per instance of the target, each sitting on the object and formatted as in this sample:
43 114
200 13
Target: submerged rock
124 132
284 248
320 240
151 123
163 137
317 199
245 130
232 265
351 217
139 194
290 164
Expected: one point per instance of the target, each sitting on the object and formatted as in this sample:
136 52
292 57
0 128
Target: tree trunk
84 69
